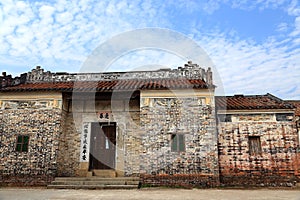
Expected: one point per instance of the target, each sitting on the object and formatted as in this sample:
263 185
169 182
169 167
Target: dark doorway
103 145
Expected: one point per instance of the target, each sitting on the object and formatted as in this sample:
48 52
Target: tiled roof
241 102
137 84
297 105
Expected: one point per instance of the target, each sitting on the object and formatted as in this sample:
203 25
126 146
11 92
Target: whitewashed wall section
30 104
85 142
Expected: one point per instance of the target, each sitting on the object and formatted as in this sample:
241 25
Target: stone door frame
105 143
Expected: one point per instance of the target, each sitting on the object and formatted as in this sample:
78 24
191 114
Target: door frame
103 123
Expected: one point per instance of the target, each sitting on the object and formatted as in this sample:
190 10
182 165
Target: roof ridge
188 71
273 97
280 100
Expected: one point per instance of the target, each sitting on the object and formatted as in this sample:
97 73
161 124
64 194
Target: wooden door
103 146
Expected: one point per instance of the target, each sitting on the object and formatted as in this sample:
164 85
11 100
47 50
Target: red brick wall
275 166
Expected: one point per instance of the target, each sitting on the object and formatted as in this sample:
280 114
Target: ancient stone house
258 142
159 126
136 124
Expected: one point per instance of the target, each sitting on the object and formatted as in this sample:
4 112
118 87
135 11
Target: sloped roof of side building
251 102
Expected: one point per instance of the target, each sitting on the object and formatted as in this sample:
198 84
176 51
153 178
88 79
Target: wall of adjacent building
39 116
190 113
278 161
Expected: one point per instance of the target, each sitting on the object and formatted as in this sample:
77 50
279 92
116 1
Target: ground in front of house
149 194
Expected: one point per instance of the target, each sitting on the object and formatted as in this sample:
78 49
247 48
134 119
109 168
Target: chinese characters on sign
104 115
84 152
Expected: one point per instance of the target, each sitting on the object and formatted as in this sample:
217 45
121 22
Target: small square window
225 118
22 143
254 145
177 142
284 116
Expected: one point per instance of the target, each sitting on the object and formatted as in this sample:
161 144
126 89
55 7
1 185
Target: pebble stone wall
275 166
130 143
160 117
69 147
38 166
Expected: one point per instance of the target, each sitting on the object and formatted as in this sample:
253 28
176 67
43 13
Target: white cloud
140 60
282 27
69 31
250 68
257 68
64 18
296 31
45 13
293 8
260 4
60 34
211 6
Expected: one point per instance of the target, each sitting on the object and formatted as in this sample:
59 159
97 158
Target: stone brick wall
160 117
274 166
38 166
130 142
69 147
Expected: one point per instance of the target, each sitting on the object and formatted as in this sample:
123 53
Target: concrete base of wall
180 180
25 180
262 180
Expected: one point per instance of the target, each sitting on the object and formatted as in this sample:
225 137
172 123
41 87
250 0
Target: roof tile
108 85
296 103
241 102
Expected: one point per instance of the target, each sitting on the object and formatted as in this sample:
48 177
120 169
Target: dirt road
148 194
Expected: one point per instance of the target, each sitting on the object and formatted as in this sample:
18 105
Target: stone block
84 165
89 174
82 173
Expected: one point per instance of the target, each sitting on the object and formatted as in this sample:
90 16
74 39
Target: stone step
94 178
94 183
104 173
102 182
92 187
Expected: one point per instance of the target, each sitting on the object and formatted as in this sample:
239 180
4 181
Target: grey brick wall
160 117
37 166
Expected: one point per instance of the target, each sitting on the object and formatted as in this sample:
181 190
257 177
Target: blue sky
254 45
